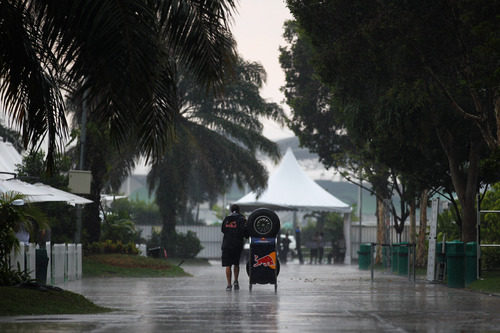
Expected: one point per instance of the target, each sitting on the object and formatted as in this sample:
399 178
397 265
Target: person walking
234 230
321 248
314 249
286 247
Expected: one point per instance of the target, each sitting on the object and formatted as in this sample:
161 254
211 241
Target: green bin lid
471 248
365 247
455 248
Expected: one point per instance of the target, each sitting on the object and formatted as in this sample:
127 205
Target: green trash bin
364 259
403 259
395 257
440 255
470 262
385 256
440 260
455 264
41 263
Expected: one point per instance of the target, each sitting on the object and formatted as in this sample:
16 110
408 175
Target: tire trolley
263 264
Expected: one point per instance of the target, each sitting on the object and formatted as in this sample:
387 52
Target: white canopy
9 157
38 192
60 195
289 188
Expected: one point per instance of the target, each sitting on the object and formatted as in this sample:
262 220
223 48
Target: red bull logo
266 261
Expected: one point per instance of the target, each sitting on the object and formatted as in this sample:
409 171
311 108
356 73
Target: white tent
289 188
39 192
9 157
56 194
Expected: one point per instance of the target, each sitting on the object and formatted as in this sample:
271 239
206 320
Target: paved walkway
310 298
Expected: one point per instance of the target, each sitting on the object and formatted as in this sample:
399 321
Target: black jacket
234 230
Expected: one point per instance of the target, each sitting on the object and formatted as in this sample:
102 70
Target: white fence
211 238
65 261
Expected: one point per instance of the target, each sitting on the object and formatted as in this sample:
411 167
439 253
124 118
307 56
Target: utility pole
83 139
360 205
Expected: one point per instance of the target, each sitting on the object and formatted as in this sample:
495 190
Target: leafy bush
9 277
119 229
109 246
139 212
187 245
490 258
155 240
447 226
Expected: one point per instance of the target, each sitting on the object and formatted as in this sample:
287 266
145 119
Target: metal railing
387 258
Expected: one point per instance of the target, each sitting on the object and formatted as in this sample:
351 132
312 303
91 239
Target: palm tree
14 215
111 50
217 138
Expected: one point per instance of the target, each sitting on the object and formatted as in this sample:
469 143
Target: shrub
109 246
187 245
9 277
490 258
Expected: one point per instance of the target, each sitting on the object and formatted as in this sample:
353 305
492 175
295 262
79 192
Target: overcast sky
258 30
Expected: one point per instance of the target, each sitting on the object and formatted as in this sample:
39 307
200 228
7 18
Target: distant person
321 247
234 230
22 235
298 245
314 249
286 247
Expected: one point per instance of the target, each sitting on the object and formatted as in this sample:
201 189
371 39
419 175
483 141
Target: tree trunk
497 112
92 220
168 234
380 229
422 231
413 222
465 182
467 194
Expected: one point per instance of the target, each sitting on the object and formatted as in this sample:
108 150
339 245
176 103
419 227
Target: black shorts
231 256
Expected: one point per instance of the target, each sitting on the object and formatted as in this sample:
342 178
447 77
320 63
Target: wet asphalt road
310 298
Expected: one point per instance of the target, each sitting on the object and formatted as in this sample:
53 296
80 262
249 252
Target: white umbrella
39 192
60 195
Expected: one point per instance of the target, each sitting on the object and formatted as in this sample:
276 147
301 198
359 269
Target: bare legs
236 270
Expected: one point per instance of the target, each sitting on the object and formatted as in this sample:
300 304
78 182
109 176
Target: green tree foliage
34 169
490 228
60 216
116 228
142 213
217 137
115 52
382 149
416 71
330 224
11 136
490 223
13 218
188 245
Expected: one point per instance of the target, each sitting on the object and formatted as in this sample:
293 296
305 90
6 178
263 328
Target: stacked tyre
263 222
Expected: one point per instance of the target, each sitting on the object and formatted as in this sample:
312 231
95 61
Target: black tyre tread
263 212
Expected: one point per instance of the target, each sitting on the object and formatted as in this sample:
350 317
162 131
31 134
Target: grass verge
489 283
27 301
120 265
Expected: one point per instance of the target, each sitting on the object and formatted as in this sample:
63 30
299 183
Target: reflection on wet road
310 298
